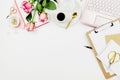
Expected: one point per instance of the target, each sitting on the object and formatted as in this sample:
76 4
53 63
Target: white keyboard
108 7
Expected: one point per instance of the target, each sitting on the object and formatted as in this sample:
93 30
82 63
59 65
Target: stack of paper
104 57
105 42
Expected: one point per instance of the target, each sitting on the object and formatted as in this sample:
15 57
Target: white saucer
68 8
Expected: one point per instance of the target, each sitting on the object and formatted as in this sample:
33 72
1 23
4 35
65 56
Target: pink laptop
98 12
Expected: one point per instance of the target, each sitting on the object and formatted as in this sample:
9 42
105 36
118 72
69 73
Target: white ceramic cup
67 8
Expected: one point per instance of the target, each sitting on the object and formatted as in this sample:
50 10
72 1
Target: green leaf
44 3
48 1
38 0
41 1
51 5
29 17
32 1
39 7
55 1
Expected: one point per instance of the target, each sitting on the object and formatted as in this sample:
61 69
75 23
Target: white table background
50 53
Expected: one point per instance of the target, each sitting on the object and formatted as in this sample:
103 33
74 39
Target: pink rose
43 17
26 6
30 26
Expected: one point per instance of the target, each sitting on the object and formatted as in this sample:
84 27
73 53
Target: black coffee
61 16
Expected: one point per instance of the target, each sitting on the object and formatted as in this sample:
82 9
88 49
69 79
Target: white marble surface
50 53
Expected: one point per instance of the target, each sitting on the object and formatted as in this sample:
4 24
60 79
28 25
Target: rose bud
43 17
30 26
26 6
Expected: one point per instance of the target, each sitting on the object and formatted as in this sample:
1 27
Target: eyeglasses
113 57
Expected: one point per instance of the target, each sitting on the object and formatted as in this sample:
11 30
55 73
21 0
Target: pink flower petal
30 26
26 6
43 17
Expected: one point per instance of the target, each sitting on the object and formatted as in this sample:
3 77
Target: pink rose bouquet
33 7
